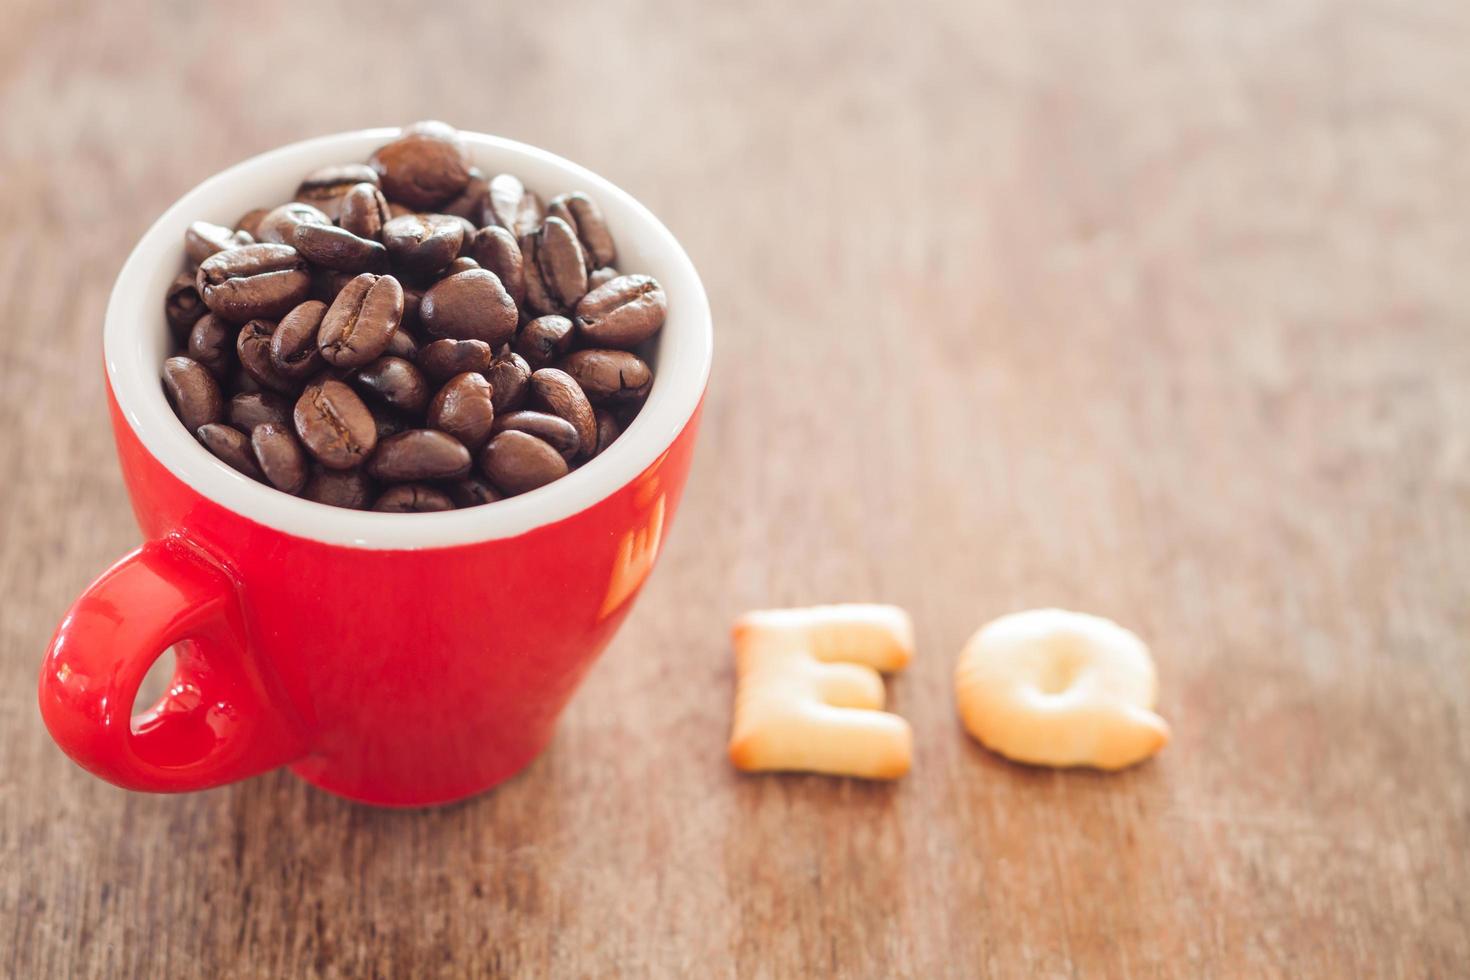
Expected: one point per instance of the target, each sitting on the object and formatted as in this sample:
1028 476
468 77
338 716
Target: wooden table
1151 309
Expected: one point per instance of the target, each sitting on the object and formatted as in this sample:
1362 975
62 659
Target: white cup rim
134 356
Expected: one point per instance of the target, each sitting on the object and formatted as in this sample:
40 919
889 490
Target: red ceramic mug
397 659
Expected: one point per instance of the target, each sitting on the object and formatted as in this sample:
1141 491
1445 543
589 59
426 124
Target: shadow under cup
397 659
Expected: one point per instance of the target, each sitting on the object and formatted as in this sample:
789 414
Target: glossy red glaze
402 678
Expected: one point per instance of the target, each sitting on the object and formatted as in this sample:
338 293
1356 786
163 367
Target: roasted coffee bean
253 281
212 343
609 376
280 456
327 187
516 462
413 299
203 239
192 391
562 263
510 381
600 277
424 168
250 221
395 382
496 250
469 306
423 243
361 321
419 454
608 430
462 264
555 391
622 313
294 350
335 425
538 300
544 339
365 211
467 239
472 201
330 247
413 498
279 224
552 429
513 207
182 306
253 348
231 446
471 491
585 217
464 409
339 488
443 359
403 345
249 409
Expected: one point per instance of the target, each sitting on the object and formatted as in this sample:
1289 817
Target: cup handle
217 722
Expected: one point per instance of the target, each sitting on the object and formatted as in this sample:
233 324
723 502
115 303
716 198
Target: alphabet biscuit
809 697
1057 688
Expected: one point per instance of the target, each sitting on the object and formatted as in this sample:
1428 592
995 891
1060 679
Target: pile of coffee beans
408 334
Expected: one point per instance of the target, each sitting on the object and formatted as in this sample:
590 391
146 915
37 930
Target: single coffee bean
555 391
443 359
340 488
424 168
253 348
330 247
585 217
403 345
510 381
231 446
280 456
516 462
608 430
471 491
464 409
471 202
279 224
293 348
622 313
513 207
469 306
496 250
182 306
203 239
413 498
253 282
462 264
544 339
562 263
552 429
192 391
539 301
419 454
212 343
599 277
250 221
335 425
395 382
364 211
361 321
249 409
327 187
423 243
609 376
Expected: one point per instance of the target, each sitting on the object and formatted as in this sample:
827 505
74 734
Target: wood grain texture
1151 309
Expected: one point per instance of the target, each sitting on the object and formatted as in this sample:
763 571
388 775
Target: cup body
397 659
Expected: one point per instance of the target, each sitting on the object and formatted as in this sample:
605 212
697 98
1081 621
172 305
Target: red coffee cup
396 659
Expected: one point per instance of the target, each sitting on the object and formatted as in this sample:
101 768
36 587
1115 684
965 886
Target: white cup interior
136 341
